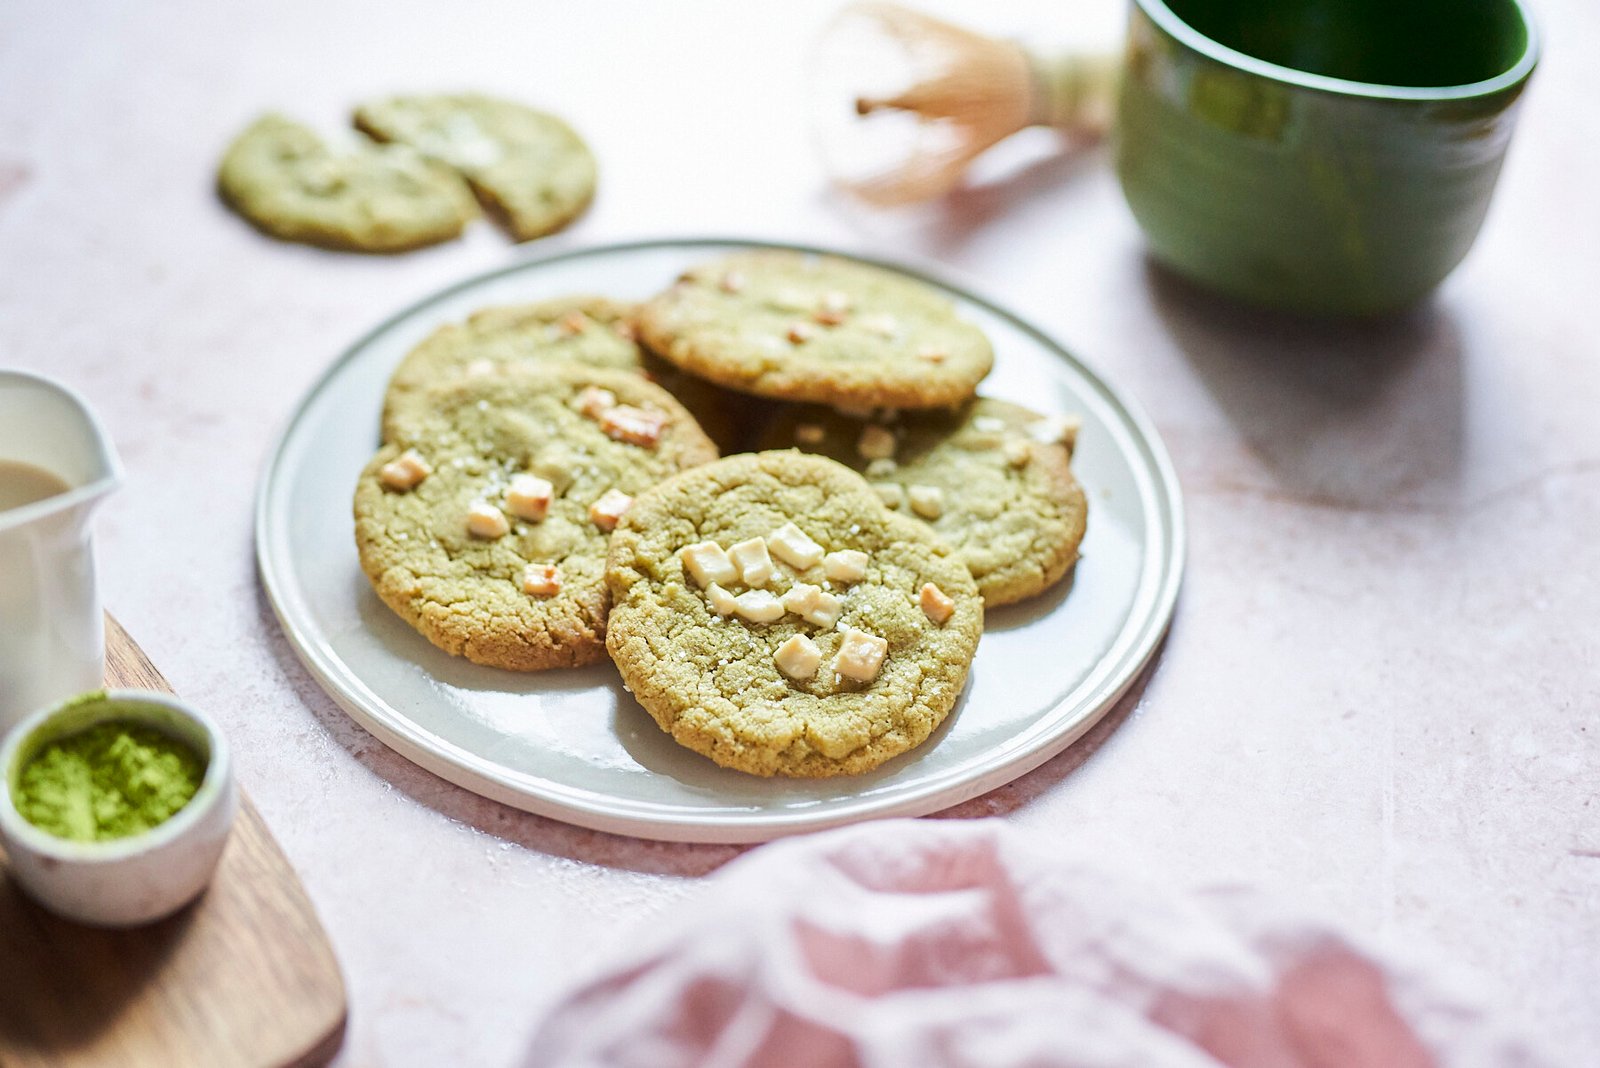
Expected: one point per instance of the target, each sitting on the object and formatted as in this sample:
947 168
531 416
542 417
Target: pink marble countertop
1379 693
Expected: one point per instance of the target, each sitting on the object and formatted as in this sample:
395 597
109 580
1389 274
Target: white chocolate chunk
927 501
794 547
722 602
1056 430
405 472
541 580
879 469
798 658
800 333
860 655
855 411
595 402
812 604
891 494
636 426
574 322
932 354
936 604
885 326
484 520
708 564
529 497
988 424
875 443
758 606
808 434
846 565
609 508
833 309
480 368
788 298
1018 452
732 282
753 561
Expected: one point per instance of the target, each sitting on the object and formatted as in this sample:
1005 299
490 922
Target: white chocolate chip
722 602
988 424
860 655
880 469
812 604
405 472
541 580
833 309
484 520
1018 452
794 547
753 561
936 604
708 564
609 508
809 434
574 322
800 333
636 426
732 282
595 402
892 494
529 497
791 299
885 326
624 329
927 501
798 658
875 443
930 354
846 565
758 606
1056 430
480 368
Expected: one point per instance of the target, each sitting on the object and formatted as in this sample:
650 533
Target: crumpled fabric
931 943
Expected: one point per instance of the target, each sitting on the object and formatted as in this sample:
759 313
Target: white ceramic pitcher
52 633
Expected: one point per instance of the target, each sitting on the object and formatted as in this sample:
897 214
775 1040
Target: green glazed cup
1320 156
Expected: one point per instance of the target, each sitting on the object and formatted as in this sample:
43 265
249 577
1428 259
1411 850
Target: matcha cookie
993 480
484 523
772 615
528 168
822 329
588 330
375 198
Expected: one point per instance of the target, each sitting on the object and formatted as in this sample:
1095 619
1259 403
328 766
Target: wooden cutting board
244 976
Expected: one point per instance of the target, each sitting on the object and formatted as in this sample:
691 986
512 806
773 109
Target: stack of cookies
549 488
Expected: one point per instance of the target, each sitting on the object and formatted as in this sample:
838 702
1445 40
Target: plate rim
1113 675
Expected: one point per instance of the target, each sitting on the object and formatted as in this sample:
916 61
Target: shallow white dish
574 745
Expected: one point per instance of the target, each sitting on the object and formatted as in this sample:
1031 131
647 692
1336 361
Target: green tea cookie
588 330
529 168
375 198
484 524
772 615
828 330
993 479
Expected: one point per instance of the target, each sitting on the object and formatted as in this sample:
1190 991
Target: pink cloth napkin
926 943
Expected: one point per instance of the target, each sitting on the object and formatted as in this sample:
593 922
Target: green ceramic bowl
1320 156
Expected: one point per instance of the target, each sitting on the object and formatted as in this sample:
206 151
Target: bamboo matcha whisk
905 102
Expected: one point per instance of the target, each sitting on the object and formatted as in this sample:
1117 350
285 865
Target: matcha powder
110 781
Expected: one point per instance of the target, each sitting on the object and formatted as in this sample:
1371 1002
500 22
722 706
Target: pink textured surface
1379 691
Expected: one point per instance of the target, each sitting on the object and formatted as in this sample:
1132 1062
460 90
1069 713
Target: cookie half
770 613
290 184
992 479
823 329
485 523
529 168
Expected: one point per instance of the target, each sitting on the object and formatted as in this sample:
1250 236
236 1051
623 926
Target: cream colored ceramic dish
573 745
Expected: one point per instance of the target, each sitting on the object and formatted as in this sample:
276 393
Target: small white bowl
126 881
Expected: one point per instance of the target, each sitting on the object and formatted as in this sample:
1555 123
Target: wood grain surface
244 976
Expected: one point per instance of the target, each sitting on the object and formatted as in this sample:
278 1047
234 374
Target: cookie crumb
936 605
798 658
405 472
541 580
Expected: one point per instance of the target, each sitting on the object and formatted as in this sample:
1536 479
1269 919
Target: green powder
110 781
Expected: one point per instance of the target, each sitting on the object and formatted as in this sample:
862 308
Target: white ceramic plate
574 745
